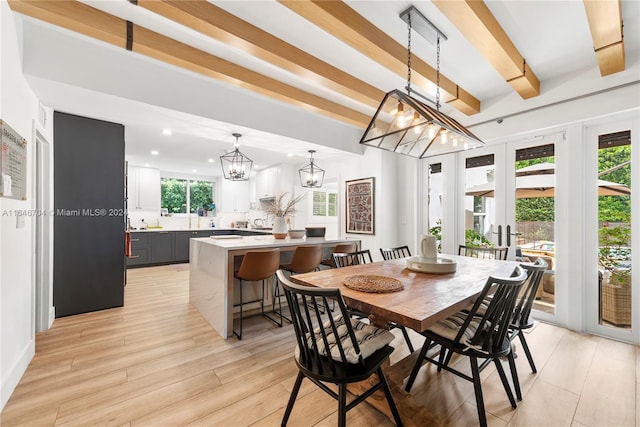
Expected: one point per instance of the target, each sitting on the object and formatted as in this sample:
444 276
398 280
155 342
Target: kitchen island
211 265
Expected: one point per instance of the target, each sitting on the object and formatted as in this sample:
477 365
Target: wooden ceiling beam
476 22
84 19
605 23
215 22
344 23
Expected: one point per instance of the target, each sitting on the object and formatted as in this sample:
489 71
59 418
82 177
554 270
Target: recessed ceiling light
290 155
194 170
211 160
154 152
257 166
166 131
146 165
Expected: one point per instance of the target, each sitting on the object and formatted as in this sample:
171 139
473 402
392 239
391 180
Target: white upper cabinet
234 196
275 180
143 189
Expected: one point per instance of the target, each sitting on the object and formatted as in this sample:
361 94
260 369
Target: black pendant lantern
311 176
235 165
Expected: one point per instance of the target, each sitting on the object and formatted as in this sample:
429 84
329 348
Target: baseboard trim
11 380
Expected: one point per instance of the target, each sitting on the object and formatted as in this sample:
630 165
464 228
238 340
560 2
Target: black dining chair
334 348
482 252
345 259
395 253
522 319
477 336
364 257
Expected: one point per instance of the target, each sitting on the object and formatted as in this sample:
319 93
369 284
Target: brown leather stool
341 248
305 259
257 265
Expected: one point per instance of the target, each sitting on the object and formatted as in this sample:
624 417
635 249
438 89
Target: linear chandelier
311 176
235 165
404 125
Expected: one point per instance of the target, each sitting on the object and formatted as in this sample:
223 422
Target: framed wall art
360 206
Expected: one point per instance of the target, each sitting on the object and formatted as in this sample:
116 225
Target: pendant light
235 165
311 176
405 125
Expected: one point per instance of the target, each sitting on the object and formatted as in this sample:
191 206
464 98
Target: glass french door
611 159
506 198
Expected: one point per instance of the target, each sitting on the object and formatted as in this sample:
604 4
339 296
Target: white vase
279 229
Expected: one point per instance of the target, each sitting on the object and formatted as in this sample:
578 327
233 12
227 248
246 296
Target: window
325 204
182 196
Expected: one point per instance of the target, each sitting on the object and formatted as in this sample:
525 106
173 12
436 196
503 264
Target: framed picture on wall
360 206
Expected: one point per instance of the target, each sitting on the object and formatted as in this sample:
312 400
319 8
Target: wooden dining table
424 299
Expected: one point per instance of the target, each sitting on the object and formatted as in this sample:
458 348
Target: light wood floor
157 362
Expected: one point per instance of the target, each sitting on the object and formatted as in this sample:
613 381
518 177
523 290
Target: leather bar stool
257 266
304 260
341 248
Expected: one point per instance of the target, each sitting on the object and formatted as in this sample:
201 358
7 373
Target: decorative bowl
315 231
297 234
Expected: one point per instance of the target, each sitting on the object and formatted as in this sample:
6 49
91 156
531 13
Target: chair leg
239 335
276 292
445 358
514 375
387 392
292 399
416 367
406 338
342 405
525 346
505 382
477 387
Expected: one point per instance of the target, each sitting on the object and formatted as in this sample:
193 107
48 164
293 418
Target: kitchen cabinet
143 188
274 181
161 247
234 196
139 249
181 243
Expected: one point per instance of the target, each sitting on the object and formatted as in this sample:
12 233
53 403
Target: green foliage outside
535 208
615 208
201 195
615 247
436 230
610 208
474 239
174 195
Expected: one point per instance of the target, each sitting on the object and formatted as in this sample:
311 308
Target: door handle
509 234
499 233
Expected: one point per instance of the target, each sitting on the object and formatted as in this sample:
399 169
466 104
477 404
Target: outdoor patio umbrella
539 181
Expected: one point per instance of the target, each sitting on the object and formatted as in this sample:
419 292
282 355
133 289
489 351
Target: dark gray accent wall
89 222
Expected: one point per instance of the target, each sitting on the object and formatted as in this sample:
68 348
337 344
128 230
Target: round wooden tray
375 284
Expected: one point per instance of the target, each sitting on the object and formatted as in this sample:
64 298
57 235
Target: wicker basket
615 304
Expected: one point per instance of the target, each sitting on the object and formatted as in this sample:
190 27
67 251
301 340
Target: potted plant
614 257
281 209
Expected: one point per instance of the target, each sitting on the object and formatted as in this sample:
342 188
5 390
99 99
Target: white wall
18 107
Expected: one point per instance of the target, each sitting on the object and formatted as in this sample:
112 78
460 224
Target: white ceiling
79 75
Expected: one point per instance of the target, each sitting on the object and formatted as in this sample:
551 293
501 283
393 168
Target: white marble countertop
267 241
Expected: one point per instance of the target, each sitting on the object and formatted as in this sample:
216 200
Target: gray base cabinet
166 247
139 249
161 247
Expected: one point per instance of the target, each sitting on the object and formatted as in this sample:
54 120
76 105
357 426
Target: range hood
266 202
